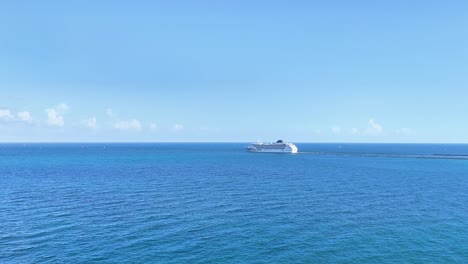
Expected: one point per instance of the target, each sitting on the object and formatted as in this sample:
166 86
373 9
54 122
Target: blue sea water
216 203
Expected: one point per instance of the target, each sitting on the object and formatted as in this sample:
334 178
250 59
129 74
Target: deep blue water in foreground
215 203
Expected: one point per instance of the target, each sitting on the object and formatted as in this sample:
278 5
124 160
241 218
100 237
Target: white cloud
91 122
55 115
153 127
54 118
132 124
24 116
178 127
5 115
129 124
336 130
374 127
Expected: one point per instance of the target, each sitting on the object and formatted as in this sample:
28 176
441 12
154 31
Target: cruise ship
277 147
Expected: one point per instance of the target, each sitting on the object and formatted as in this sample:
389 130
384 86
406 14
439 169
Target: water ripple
189 204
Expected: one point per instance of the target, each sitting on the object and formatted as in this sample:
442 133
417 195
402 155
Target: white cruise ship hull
272 147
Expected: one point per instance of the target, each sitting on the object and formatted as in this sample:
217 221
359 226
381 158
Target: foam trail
383 155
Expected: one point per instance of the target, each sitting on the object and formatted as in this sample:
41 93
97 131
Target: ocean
216 203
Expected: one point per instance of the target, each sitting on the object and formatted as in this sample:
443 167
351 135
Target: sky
234 71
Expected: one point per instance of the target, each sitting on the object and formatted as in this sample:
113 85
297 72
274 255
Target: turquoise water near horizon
216 203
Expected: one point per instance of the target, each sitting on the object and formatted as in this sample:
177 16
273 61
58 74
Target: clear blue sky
303 71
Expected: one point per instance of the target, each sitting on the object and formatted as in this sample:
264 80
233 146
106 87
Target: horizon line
219 142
